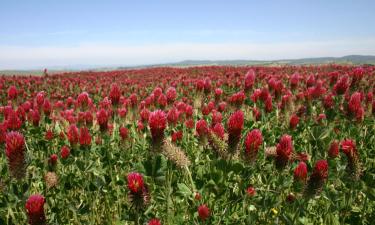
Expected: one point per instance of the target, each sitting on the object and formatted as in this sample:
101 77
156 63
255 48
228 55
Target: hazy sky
37 34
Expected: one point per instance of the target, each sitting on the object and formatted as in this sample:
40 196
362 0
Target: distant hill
349 59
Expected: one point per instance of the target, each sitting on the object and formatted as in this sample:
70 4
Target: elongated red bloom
65 152
138 192
12 92
348 147
218 129
115 94
211 106
317 178
205 110
237 99
249 79
83 99
300 172
73 134
357 75
218 94
47 108
341 85
162 100
321 169
355 106
40 97
34 117
3 131
15 152
145 114
135 182
276 85
81 117
173 116
89 118
124 132
84 136
52 162
171 94
53 159
35 210
316 91
203 212
122 112
157 122
354 102
294 79
133 99
201 128
235 126
222 106
284 150
157 92
21 113
268 104
102 118
256 113
328 101
256 95
333 151
369 98
13 120
189 124
207 85
177 136
199 85
253 140
216 118
310 80
140 126
286 101
294 120
189 111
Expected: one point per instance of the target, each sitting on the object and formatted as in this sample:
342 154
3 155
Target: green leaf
184 189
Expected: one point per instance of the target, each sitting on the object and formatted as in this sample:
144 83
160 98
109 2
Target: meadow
196 145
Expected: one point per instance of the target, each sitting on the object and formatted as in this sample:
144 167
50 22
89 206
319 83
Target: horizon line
85 67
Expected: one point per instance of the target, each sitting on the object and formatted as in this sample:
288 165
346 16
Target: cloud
101 54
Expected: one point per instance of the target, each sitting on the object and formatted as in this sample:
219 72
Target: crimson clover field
198 145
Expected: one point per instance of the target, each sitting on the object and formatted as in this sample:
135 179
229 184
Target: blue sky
37 34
